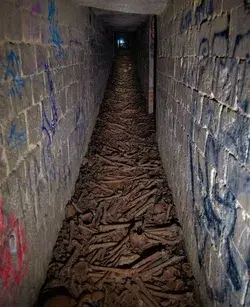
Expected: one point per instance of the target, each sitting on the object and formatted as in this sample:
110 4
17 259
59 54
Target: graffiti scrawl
49 125
55 37
13 250
16 138
13 74
216 219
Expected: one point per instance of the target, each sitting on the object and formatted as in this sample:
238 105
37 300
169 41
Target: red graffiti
13 249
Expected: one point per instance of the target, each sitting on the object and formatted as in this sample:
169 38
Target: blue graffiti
16 138
215 220
236 138
186 20
49 126
53 27
12 72
234 88
203 11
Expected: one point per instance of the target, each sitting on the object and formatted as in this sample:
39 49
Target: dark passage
121 243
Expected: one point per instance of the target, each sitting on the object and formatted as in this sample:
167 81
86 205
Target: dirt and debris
121 243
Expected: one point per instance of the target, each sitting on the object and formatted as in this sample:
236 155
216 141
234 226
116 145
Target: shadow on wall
227 267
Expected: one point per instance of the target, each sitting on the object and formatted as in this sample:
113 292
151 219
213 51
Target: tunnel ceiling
121 21
127 6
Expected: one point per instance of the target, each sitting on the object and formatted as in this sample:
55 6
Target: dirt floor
121 243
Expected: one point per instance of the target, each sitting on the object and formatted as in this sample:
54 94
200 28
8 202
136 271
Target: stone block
15 139
34 124
225 80
6 110
71 96
228 5
1 26
61 102
239 33
45 37
24 100
3 61
200 136
38 7
47 111
33 170
241 233
53 59
11 195
11 16
197 104
238 179
31 27
28 59
3 165
38 86
219 40
57 78
41 58
43 201
210 115
233 134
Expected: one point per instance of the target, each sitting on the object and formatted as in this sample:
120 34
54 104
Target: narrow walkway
121 243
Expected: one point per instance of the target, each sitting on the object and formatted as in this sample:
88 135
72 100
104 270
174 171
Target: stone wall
55 59
152 51
203 128
141 51
144 50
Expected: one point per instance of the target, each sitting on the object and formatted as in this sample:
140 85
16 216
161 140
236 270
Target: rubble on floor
121 243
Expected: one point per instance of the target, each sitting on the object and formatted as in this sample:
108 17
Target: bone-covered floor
121 243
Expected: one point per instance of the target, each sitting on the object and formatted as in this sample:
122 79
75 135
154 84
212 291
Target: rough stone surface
121 21
55 61
141 50
203 135
144 50
135 6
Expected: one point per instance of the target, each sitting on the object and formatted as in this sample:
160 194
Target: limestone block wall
55 59
203 128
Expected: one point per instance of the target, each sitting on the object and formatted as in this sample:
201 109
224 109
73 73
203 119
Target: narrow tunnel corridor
121 243
124 153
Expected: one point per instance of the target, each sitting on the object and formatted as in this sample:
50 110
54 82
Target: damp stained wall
141 51
203 129
55 59
144 50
